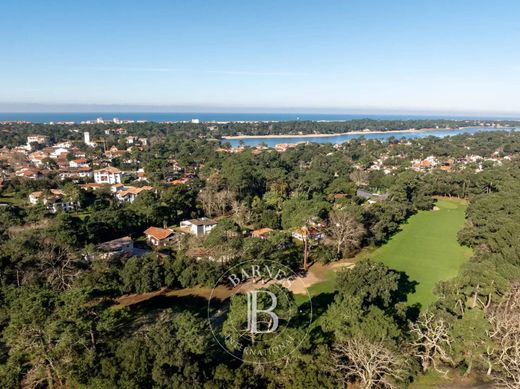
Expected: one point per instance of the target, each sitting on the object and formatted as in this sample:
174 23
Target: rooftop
113 245
158 233
109 169
202 221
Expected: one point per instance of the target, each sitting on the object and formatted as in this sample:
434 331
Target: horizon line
62 108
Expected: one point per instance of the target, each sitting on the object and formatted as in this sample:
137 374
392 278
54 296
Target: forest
61 325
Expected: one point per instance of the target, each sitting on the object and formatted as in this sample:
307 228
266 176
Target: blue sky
307 55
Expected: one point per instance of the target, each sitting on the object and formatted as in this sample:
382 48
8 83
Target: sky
385 56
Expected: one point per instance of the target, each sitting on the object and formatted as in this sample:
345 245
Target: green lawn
427 248
10 198
323 287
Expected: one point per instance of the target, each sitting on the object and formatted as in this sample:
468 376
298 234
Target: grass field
10 198
427 248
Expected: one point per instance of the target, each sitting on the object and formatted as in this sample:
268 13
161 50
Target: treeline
15 134
317 127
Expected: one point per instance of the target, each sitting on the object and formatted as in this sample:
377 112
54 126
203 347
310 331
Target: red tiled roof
261 232
91 186
158 233
109 169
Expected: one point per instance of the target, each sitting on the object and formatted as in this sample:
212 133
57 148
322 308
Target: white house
109 175
76 173
79 162
41 139
65 144
67 206
310 233
58 152
156 236
198 227
54 201
141 175
130 193
37 158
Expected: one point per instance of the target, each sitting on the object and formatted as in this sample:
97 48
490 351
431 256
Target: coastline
231 137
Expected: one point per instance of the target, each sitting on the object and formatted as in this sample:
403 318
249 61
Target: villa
198 227
109 175
156 236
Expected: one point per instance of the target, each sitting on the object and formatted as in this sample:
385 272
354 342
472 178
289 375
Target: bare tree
58 264
505 322
346 231
359 177
306 247
372 364
214 202
242 214
224 200
207 199
431 341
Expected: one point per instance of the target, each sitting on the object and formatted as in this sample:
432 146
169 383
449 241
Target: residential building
130 193
65 144
141 175
29 173
40 139
310 233
76 173
114 152
198 227
37 158
90 186
117 187
80 162
156 236
109 175
54 200
117 248
371 197
87 141
262 233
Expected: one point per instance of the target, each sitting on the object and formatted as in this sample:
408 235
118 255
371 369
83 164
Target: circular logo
258 319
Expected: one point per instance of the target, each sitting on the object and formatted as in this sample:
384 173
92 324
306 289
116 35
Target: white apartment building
109 175
42 139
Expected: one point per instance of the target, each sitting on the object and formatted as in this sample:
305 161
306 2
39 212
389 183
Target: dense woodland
61 325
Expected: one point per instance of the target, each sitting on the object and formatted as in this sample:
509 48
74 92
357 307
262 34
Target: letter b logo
252 312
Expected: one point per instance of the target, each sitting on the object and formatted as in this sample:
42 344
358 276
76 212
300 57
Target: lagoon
272 141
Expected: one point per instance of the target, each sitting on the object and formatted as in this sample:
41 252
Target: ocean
78 117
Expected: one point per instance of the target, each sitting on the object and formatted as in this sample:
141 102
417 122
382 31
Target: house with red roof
156 236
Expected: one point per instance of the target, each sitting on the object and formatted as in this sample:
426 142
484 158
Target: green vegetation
328 285
427 249
58 292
